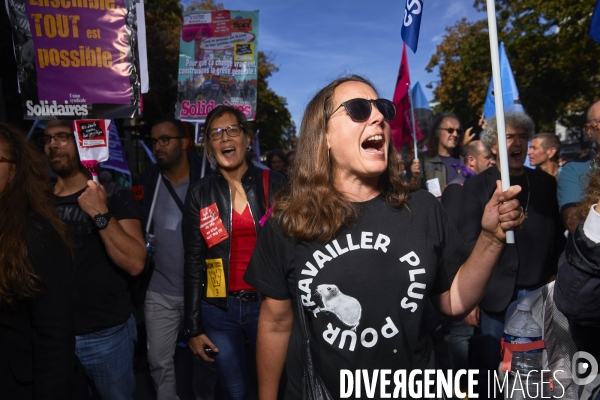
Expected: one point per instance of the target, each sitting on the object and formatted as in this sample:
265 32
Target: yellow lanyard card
215 285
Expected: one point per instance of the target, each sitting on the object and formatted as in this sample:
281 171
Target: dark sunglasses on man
360 109
452 130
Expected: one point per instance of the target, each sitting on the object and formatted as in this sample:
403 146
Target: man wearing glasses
174 172
572 177
109 248
441 163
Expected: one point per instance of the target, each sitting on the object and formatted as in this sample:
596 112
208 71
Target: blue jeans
228 330
107 359
459 340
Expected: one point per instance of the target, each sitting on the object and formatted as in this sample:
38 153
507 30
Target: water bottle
150 243
522 328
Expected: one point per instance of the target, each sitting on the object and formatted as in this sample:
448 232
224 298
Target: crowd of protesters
252 267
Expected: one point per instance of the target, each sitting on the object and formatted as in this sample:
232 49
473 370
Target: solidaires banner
76 59
218 63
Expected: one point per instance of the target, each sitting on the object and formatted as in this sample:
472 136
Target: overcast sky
315 41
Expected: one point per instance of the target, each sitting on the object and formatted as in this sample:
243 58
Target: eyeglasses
360 109
232 130
60 137
594 123
2 159
452 130
163 141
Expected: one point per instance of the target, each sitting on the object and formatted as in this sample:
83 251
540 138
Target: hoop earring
249 147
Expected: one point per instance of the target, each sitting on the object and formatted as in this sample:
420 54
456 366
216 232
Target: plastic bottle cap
523 307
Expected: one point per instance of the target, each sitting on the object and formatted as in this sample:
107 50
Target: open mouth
374 144
516 155
228 151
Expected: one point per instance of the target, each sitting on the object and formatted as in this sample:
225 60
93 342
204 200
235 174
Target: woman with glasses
37 338
349 258
221 222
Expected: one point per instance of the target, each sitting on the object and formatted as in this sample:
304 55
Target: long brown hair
433 141
27 193
592 194
309 207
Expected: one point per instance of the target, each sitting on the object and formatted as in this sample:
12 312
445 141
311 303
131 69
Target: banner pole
204 154
498 95
412 117
35 122
158 181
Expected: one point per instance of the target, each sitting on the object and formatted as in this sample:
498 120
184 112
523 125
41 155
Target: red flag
401 126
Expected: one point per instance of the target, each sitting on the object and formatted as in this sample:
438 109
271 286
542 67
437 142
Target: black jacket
37 337
577 290
541 234
215 189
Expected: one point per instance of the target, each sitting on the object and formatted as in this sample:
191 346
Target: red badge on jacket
211 226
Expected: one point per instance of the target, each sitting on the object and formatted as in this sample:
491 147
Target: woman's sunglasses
360 109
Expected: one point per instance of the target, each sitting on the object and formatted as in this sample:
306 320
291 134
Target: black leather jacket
215 189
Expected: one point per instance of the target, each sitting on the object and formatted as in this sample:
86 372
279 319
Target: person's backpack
559 347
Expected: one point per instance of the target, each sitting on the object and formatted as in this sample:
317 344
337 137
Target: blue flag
594 28
411 23
418 97
510 93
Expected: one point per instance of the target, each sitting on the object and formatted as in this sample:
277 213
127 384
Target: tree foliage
556 66
163 26
272 115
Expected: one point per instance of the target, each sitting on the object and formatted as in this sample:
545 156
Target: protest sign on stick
92 138
77 59
218 63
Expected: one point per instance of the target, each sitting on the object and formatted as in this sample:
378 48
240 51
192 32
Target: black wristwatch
101 220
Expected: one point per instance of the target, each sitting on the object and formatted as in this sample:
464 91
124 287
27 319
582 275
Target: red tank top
243 240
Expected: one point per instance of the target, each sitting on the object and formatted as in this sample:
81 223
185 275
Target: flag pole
502 151
35 123
203 171
412 118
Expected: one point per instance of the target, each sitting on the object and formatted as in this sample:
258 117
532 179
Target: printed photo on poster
218 63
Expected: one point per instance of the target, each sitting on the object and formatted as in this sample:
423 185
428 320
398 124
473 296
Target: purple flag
116 159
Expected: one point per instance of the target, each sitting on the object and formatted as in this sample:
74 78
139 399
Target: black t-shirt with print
102 297
365 292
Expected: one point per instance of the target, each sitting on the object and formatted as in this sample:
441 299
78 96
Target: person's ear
494 150
551 152
470 161
185 142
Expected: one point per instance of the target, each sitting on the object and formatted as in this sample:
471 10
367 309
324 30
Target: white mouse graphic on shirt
345 307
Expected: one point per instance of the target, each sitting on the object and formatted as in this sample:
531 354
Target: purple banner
116 158
80 50
76 58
